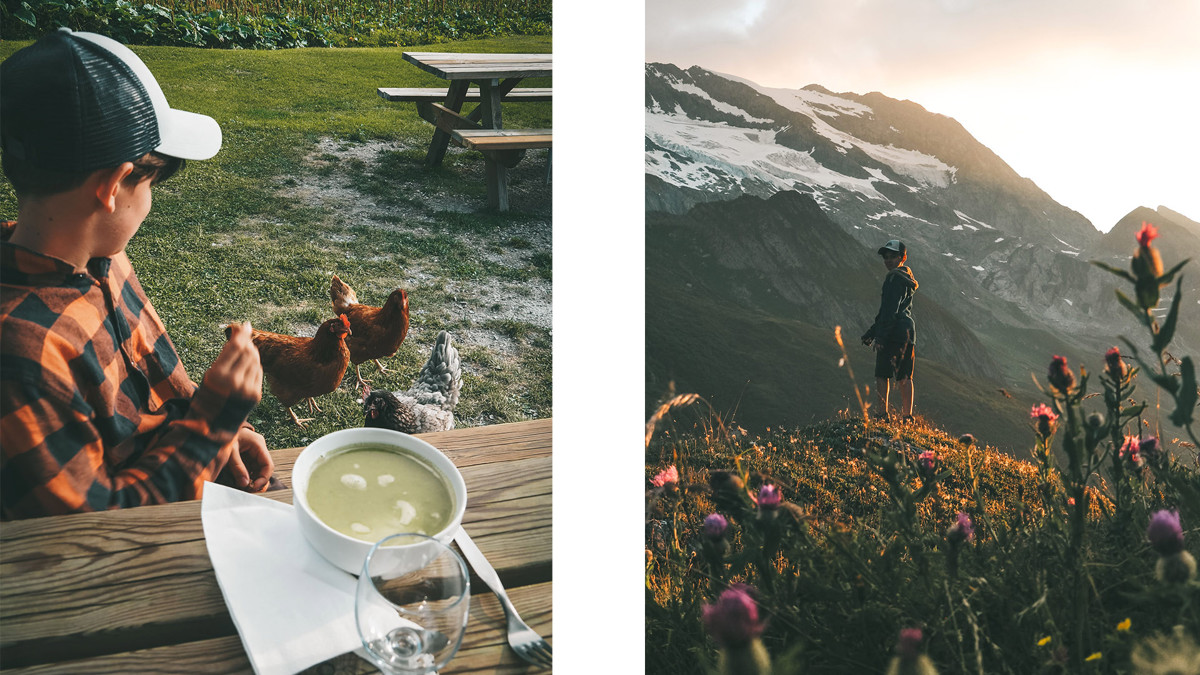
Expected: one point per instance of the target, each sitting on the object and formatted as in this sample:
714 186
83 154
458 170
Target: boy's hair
30 181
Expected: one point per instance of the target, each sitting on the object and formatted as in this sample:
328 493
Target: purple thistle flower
1165 533
733 621
962 529
715 525
769 497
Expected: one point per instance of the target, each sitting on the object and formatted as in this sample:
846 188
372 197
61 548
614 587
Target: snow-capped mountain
743 185
883 169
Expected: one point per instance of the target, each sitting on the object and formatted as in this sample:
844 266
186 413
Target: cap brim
188 135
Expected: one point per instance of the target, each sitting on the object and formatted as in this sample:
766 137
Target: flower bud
1177 568
967 440
1115 365
927 463
1148 254
909 658
909 645
1095 420
1060 376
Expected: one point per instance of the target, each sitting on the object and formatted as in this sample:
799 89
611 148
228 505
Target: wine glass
412 603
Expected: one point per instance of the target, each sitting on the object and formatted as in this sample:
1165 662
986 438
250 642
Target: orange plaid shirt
96 411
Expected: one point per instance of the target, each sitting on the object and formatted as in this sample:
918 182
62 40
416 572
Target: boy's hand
250 465
237 371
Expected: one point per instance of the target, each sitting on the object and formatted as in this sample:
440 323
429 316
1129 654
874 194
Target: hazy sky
1094 100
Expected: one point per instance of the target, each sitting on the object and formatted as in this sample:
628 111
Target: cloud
797 42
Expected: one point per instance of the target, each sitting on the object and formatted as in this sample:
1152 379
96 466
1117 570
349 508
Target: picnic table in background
496 77
134 590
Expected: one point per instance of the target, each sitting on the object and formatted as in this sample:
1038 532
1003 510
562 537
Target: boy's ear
110 183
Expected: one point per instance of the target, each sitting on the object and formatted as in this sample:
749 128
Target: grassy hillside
859 549
319 176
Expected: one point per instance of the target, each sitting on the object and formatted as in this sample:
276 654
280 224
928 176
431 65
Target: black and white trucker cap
77 102
894 246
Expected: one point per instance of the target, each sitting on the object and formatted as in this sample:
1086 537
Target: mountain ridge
994 253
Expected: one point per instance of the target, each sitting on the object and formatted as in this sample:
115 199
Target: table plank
84 585
435 95
484 648
453 66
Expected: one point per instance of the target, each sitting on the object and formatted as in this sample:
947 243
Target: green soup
368 493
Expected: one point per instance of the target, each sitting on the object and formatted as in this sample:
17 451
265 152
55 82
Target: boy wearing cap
894 333
96 410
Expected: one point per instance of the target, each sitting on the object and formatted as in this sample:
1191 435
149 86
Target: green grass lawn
319 176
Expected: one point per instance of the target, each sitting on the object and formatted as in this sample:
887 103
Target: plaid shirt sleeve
96 410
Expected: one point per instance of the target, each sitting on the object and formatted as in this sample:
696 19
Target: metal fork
523 639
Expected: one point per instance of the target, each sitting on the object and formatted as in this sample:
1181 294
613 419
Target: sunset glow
1093 101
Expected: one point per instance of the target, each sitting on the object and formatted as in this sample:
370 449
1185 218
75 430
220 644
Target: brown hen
299 368
377 331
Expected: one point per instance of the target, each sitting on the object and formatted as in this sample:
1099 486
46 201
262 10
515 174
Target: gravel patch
327 184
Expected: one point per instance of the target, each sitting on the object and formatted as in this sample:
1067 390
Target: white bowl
347 552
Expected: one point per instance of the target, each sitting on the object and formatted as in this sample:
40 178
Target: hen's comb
345 321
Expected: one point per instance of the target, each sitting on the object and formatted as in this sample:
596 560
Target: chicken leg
299 422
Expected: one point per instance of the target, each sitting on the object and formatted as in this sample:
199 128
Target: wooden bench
502 149
435 94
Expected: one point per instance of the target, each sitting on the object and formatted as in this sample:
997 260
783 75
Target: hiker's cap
895 246
77 102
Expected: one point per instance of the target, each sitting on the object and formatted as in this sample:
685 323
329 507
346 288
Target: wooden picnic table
134 590
497 75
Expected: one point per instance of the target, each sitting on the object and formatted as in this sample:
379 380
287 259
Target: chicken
426 406
299 368
377 331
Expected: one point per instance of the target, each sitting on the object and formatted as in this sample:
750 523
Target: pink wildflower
1042 410
1147 234
1130 451
665 477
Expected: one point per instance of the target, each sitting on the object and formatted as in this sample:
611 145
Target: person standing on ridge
894 333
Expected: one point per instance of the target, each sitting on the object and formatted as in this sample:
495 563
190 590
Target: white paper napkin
293 609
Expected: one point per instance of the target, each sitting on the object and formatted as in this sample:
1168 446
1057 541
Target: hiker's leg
906 397
882 385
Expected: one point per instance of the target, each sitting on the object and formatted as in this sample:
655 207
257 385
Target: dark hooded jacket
894 322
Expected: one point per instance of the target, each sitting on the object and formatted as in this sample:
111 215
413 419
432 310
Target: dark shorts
895 360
